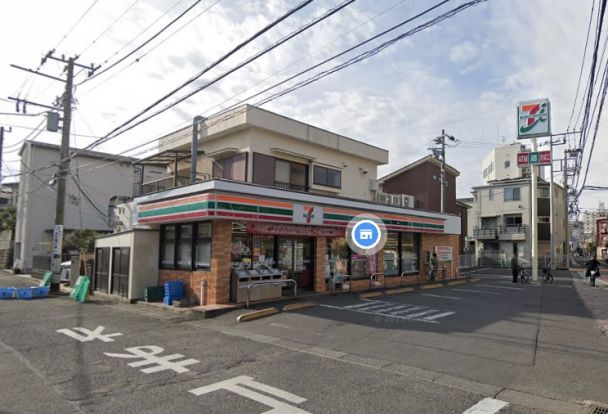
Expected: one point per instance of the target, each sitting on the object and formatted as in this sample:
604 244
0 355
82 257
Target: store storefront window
263 251
362 266
410 246
203 246
391 254
337 255
184 247
167 249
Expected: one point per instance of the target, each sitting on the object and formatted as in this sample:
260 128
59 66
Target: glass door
303 269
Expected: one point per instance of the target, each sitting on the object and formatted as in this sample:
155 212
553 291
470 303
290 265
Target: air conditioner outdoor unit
407 201
374 185
382 198
395 199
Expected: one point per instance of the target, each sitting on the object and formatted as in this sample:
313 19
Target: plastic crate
7 293
168 300
24 293
41 292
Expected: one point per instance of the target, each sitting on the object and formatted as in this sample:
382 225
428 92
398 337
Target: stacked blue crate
174 290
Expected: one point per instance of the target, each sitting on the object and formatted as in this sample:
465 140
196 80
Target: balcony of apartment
485 233
512 232
161 172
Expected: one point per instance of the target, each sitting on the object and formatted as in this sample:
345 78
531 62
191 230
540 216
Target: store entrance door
296 260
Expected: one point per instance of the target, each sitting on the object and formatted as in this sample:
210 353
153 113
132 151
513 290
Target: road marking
500 287
475 291
376 307
416 315
396 315
359 305
87 335
437 316
149 353
237 385
440 296
487 406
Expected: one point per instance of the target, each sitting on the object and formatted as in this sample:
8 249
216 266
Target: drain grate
599 410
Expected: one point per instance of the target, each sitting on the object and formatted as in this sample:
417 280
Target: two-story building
272 196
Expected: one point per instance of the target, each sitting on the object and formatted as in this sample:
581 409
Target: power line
222 59
143 44
138 59
76 23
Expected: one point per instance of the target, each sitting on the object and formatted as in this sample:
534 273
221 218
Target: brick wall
217 280
428 241
319 260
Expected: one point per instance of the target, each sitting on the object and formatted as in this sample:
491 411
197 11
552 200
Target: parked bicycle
523 276
547 276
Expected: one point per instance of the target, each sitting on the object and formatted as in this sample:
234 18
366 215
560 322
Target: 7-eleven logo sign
534 118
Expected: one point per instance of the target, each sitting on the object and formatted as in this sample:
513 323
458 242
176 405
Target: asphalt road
439 351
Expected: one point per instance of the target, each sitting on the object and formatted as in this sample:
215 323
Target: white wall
37 199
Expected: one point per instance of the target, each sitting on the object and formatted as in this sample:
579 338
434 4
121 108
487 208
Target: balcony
169 182
516 232
482 233
290 186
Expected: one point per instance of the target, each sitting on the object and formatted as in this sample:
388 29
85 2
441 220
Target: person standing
434 266
593 269
514 268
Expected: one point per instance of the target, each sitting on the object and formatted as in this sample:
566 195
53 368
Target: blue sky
464 75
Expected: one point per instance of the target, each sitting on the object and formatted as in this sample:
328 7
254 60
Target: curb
399 290
250 316
457 282
370 295
296 306
474 279
433 286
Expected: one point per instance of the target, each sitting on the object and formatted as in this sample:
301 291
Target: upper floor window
231 168
490 194
543 192
507 164
512 194
290 175
327 177
488 170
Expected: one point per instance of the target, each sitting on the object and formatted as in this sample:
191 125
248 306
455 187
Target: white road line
394 308
405 318
487 406
374 307
437 316
500 287
360 305
439 296
417 315
475 291
407 310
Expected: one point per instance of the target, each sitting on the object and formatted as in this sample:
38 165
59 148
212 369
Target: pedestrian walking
514 268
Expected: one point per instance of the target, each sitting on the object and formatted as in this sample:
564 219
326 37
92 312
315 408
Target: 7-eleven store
215 236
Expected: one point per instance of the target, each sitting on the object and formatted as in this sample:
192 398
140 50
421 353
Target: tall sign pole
533 121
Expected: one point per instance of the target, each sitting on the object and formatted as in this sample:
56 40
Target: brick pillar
221 247
320 251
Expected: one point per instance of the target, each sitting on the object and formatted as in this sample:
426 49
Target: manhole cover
596 409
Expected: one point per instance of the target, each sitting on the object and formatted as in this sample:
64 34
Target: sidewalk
595 299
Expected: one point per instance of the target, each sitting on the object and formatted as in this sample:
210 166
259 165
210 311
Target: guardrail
271 282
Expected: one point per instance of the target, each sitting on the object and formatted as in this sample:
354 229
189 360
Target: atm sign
533 158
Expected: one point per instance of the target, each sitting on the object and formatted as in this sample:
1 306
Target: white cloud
463 52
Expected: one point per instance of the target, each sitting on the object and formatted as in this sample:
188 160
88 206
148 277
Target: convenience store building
272 194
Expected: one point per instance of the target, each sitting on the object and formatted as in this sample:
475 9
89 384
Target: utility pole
64 156
440 153
2 130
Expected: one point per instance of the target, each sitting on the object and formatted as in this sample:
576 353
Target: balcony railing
290 186
515 232
483 233
169 182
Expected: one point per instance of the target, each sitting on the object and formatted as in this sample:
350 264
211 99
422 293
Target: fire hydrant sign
525 159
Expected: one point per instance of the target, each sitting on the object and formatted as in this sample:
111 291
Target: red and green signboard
534 118
525 159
